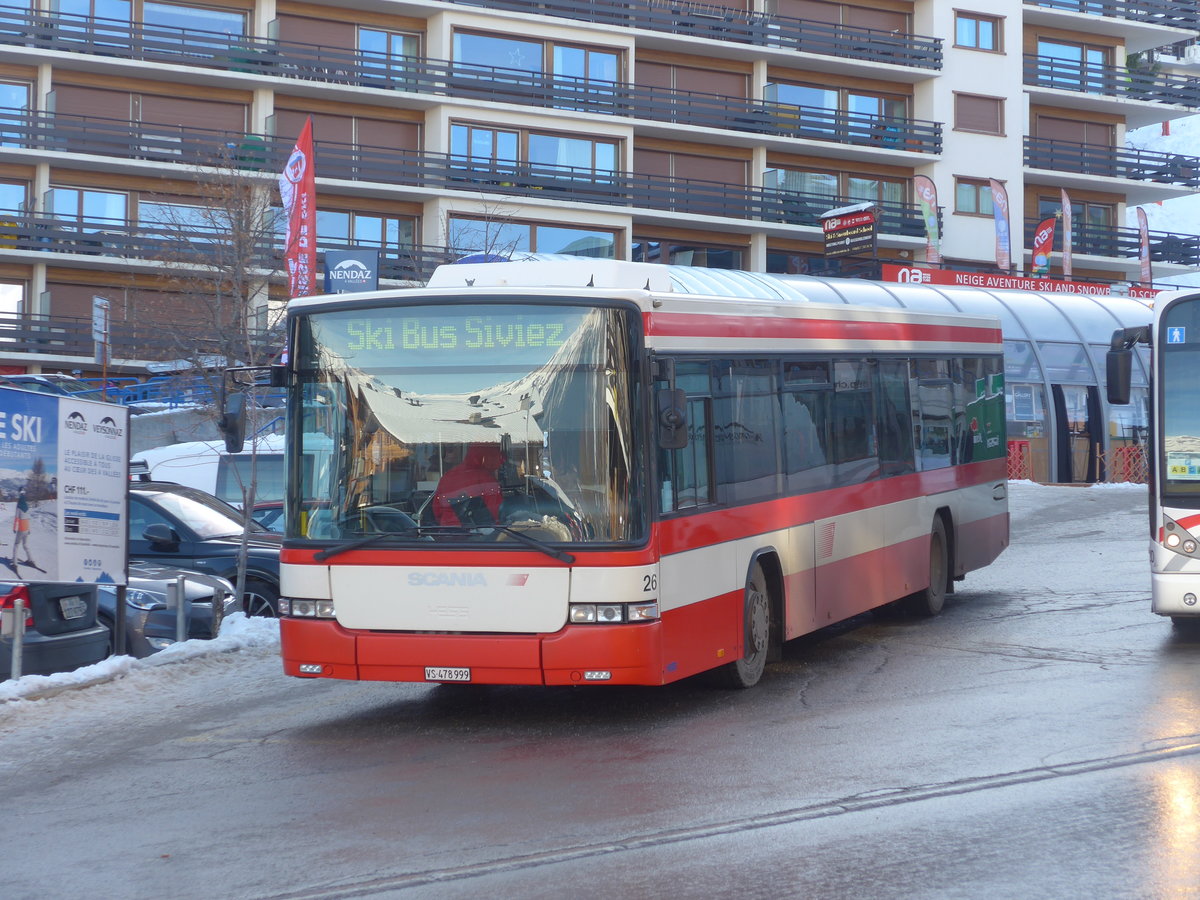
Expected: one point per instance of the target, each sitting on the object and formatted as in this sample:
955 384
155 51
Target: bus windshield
462 422
1179 360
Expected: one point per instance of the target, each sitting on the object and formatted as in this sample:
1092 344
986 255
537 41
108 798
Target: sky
119 678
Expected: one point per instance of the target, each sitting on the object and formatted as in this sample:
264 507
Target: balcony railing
72 336
467 81
1104 161
1112 81
92 34
386 165
1125 243
759 29
1173 13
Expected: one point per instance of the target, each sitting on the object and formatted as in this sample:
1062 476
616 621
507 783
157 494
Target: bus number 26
649 583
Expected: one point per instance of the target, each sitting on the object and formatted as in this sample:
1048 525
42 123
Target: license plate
442 673
72 607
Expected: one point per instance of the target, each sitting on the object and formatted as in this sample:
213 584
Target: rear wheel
930 601
756 642
261 598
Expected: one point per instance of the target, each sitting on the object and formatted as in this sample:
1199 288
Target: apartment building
707 134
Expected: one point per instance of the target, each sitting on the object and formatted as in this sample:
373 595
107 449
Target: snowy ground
259 637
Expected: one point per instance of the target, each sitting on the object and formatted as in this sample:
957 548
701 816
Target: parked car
149 624
175 525
62 631
63 385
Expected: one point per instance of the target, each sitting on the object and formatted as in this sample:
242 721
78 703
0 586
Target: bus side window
933 413
895 435
686 474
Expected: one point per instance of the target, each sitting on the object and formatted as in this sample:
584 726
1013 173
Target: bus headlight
307 609
612 613
1173 540
1189 546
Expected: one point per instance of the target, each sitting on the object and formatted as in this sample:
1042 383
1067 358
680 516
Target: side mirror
1118 366
158 533
232 424
279 376
672 419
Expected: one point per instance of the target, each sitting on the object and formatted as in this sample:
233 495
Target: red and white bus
1173 454
683 482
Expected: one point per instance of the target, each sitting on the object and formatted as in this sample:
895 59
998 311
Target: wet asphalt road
1041 738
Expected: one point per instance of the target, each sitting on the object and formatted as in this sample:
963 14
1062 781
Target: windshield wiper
322 555
560 555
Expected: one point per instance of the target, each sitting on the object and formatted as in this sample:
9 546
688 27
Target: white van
207 466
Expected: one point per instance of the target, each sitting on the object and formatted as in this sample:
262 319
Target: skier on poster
21 523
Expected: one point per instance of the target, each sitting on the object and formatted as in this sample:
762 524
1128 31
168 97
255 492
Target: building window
818 191
687 253
504 237
387 51
476 147
977 32
487 51
15 104
972 197
834 111
1072 67
193 18
102 9
337 230
87 210
984 115
13 196
188 222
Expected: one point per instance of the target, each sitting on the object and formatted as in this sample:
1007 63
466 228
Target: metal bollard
180 608
18 636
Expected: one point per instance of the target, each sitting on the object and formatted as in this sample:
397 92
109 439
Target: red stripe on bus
689 532
761 327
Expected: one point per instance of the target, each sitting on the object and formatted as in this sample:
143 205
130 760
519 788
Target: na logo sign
350 271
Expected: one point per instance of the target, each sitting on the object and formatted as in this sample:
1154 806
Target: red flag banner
1043 245
1003 234
1067 259
1144 246
298 192
927 198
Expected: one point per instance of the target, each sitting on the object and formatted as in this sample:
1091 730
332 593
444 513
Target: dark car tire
261 598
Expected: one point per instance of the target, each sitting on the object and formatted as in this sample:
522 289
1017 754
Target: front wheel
930 601
756 641
261 598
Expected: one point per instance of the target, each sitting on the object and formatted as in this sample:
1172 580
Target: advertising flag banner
1144 246
298 192
1043 245
1067 261
1003 235
926 192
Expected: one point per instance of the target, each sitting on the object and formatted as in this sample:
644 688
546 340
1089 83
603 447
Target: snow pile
238 632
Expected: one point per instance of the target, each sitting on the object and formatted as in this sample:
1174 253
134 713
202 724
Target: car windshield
208 520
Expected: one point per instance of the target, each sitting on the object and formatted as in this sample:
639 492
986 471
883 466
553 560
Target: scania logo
446 579
108 428
76 422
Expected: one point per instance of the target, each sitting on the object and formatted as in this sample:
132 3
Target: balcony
1174 13
1112 81
31 334
425 172
1101 160
757 29
1125 243
486 83
1136 24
